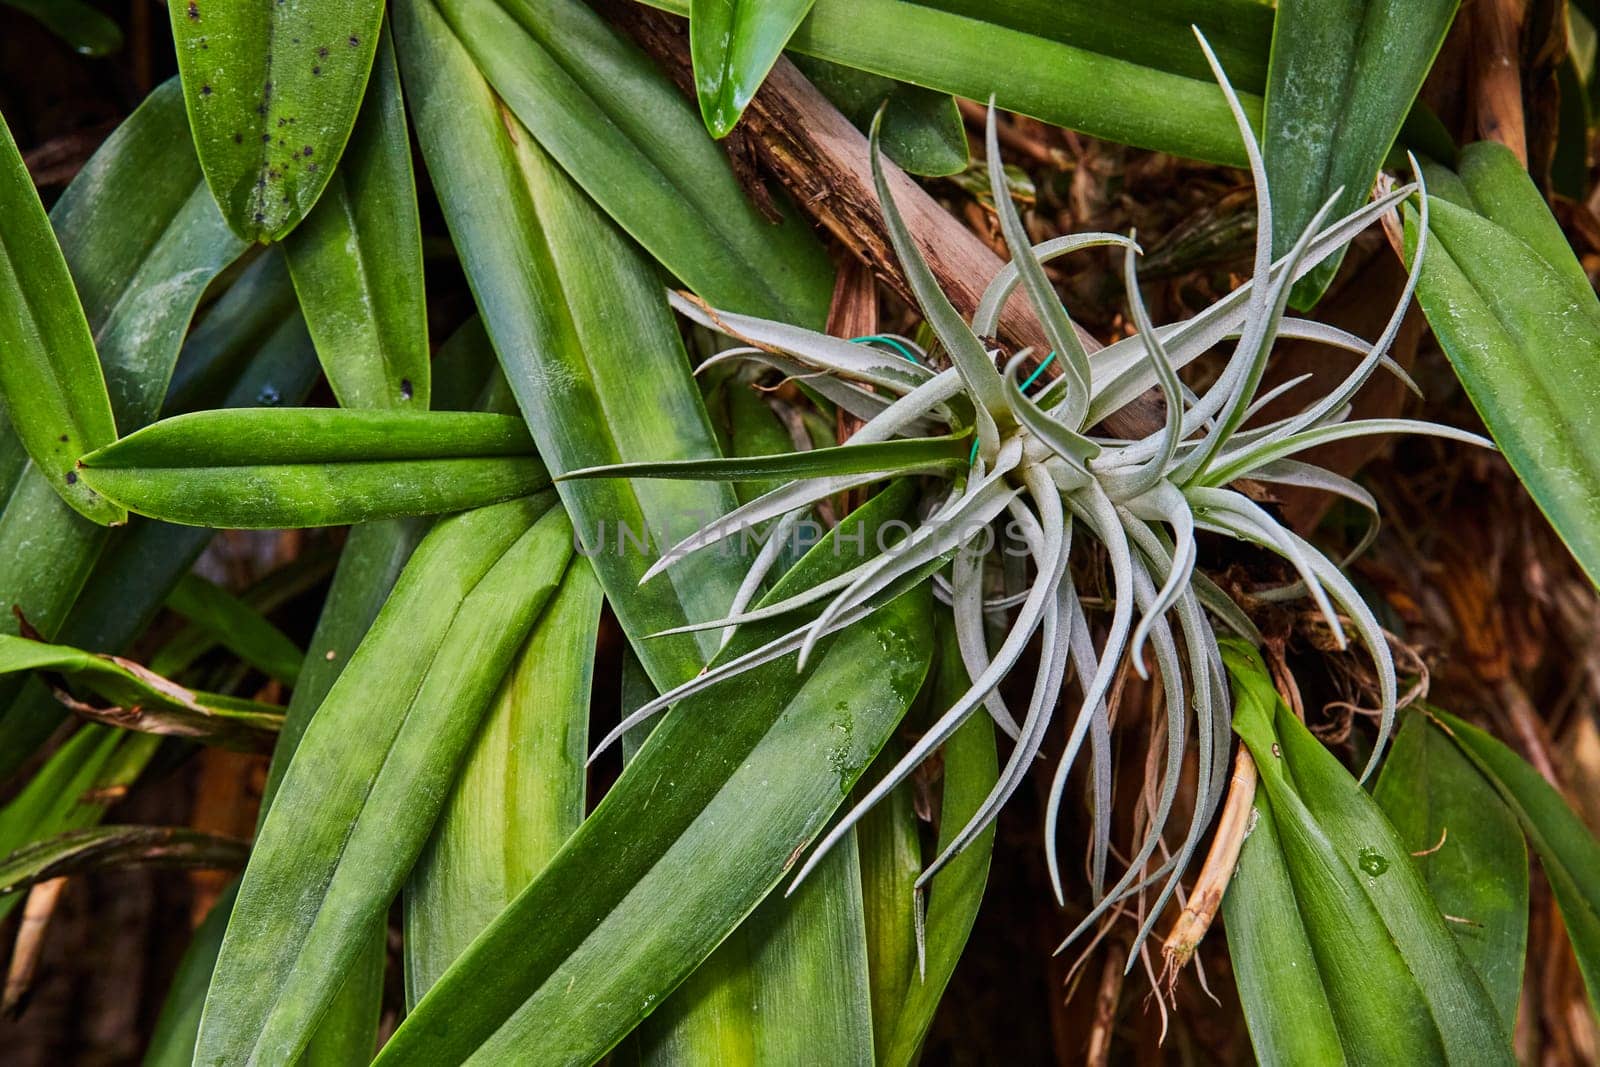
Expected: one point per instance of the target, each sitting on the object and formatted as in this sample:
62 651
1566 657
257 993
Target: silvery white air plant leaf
1038 461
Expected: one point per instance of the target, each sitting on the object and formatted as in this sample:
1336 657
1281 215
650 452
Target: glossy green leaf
142 700
50 380
272 91
718 803
89 32
891 457
263 468
583 331
1343 76
110 847
974 52
619 127
361 795
922 129
236 625
1567 850
1470 850
357 259
1397 984
904 1000
143 239
520 793
732 44
1514 311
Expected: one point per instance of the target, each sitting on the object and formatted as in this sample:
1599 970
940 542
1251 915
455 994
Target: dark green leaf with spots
272 88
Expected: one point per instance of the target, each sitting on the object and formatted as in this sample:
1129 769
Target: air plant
1000 453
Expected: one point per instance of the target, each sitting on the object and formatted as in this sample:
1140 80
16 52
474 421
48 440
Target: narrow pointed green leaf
624 133
50 380
718 803
264 468
1567 850
364 789
1503 297
76 852
1397 983
970 766
520 793
357 259
89 32
1343 76
582 329
1470 850
733 43
891 457
272 91
922 130
243 630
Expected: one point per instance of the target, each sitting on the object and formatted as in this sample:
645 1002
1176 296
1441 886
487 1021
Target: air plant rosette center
990 450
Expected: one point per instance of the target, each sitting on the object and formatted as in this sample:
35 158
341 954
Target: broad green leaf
1343 76
50 379
89 32
1397 984
1470 850
732 44
520 793
891 457
922 129
109 847
172 1042
1513 310
264 468
904 1009
272 91
583 331
240 628
357 259
145 701
718 803
143 240
618 126
1567 850
970 51
364 789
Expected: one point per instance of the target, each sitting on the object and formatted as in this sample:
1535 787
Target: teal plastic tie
894 343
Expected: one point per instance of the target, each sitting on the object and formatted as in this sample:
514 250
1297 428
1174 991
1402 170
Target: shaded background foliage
1506 623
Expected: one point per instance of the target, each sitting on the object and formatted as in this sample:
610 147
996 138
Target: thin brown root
36 912
1105 1006
1206 897
1444 832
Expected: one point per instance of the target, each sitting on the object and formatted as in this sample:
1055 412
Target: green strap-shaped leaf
264 468
50 380
921 131
1514 312
732 44
143 700
357 259
172 1042
272 91
588 344
1568 851
1342 78
110 847
520 793
904 1009
237 626
615 123
89 32
1470 850
1085 87
718 803
358 801
1396 982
